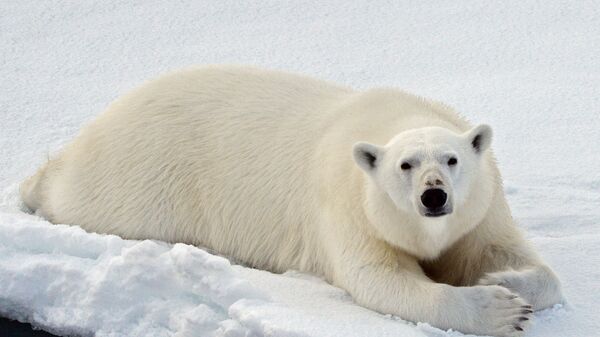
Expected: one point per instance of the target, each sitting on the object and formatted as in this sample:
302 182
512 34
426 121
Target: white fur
262 166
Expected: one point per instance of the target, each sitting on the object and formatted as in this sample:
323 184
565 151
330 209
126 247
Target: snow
528 68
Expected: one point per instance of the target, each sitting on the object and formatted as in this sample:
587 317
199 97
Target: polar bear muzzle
435 199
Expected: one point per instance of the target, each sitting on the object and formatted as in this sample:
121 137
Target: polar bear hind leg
29 190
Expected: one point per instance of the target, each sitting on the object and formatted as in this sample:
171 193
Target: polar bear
392 197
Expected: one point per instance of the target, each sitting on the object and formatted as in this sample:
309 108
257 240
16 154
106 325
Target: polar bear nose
434 198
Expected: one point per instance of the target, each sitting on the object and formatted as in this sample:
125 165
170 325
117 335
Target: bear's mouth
435 213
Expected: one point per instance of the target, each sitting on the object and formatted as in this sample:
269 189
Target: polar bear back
214 156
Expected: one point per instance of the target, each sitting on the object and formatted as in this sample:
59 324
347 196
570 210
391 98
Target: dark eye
452 161
405 166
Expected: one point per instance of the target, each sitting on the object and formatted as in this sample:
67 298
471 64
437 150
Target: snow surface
529 68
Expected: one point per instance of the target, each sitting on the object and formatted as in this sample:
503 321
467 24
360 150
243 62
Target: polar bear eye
405 166
452 161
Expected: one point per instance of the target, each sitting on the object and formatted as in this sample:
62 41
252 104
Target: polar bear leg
504 259
508 260
395 283
30 189
496 253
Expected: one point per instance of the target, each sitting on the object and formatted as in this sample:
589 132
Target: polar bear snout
435 202
434 198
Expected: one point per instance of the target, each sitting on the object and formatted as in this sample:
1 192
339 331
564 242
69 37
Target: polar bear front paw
499 312
538 286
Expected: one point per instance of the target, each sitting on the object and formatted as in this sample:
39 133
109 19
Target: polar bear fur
281 171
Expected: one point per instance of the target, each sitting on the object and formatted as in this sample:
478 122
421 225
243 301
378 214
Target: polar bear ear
367 155
479 137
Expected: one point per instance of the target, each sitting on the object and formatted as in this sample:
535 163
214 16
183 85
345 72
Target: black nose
434 198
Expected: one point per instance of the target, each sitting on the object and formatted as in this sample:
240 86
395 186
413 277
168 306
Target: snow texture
529 68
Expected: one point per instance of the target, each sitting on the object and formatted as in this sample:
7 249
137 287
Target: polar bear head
420 183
